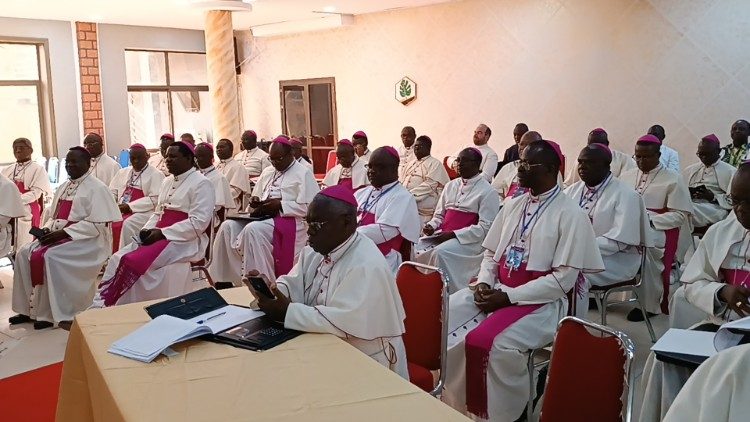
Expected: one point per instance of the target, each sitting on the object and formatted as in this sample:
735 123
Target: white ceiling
180 13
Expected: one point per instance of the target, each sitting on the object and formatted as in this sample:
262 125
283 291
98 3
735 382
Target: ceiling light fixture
230 5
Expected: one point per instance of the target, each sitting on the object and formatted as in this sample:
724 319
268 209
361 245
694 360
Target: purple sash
136 262
36 206
456 220
284 238
514 190
36 262
479 341
117 225
347 183
387 246
736 277
672 237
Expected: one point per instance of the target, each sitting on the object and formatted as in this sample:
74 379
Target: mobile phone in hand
37 232
260 286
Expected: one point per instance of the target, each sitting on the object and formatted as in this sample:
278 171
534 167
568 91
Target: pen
211 317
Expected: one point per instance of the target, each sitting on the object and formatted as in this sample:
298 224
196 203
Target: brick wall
88 64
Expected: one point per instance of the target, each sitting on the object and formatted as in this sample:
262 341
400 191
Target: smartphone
260 286
37 232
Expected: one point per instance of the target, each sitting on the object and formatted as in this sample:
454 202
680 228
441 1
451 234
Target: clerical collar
712 165
227 160
595 187
98 156
544 195
472 180
185 175
385 187
252 150
654 170
208 169
341 249
80 179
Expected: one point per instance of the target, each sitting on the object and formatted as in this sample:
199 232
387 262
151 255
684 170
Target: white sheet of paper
232 315
725 339
688 342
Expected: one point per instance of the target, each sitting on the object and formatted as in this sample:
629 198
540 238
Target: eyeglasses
737 202
525 166
316 225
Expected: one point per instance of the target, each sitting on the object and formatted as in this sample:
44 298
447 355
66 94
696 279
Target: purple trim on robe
736 277
284 238
36 261
387 246
672 237
515 190
457 220
36 206
478 342
134 264
135 194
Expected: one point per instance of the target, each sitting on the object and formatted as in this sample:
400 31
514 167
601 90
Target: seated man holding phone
155 264
708 182
273 235
341 285
55 276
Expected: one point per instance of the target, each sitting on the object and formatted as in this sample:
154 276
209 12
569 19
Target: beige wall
564 67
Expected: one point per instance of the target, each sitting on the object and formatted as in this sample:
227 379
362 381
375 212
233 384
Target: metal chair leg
645 316
605 300
530 403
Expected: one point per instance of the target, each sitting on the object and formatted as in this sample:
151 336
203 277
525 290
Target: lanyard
646 185
366 208
19 172
131 182
583 199
537 214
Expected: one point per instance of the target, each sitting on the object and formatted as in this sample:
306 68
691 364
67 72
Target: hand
274 308
734 295
52 237
492 300
444 237
254 202
125 209
151 236
478 288
271 206
428 230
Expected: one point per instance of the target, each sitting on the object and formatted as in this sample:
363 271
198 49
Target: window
167 92
308 111
24 105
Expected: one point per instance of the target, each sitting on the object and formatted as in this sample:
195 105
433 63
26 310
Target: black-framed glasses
316 225
526 166
737 202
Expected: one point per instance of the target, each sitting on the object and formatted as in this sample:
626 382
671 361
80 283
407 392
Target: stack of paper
731 333
147 342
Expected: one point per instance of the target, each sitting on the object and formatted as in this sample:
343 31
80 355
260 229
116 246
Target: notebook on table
690 348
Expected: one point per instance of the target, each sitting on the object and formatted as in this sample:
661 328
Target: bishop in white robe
717 281
254 159
619 218
708 182
359 140
12 209
505 182
103 167
223 199
55 277
342 285
271 245
159 160
350 171
297 146
464 214
32 182
425 177
406 149
621 162
669 207
158 265
535 250
234 172
387 212
136 190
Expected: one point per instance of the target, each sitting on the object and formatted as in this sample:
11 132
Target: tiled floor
23 349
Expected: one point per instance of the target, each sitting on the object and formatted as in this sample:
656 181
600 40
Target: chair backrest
451 173
588 373
331 161
424 296
124 158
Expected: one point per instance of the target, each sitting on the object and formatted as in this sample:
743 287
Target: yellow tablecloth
313 377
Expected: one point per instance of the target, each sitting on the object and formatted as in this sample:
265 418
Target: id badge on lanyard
126 195
514 257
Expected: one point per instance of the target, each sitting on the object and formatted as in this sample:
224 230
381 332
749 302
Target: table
314 377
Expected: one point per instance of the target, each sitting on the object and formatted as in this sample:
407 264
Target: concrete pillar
222 79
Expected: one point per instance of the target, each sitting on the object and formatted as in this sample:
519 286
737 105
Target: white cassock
462 200
366 157
167 269
240 247
621 163
621 226
11 207
489 161
127 185
389 217
669 207
69 271
238 178
717 178
104 168
425 179
669 158
254 160
32 181
557 244
357 300
356 175
223 197
717 392
723 247
158 162
506 182
305 163
405 155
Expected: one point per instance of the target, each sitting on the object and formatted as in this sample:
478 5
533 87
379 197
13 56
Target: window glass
145 68
19 62
187 69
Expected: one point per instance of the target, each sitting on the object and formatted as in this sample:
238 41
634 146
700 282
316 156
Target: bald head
527 139
382 168
598 137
